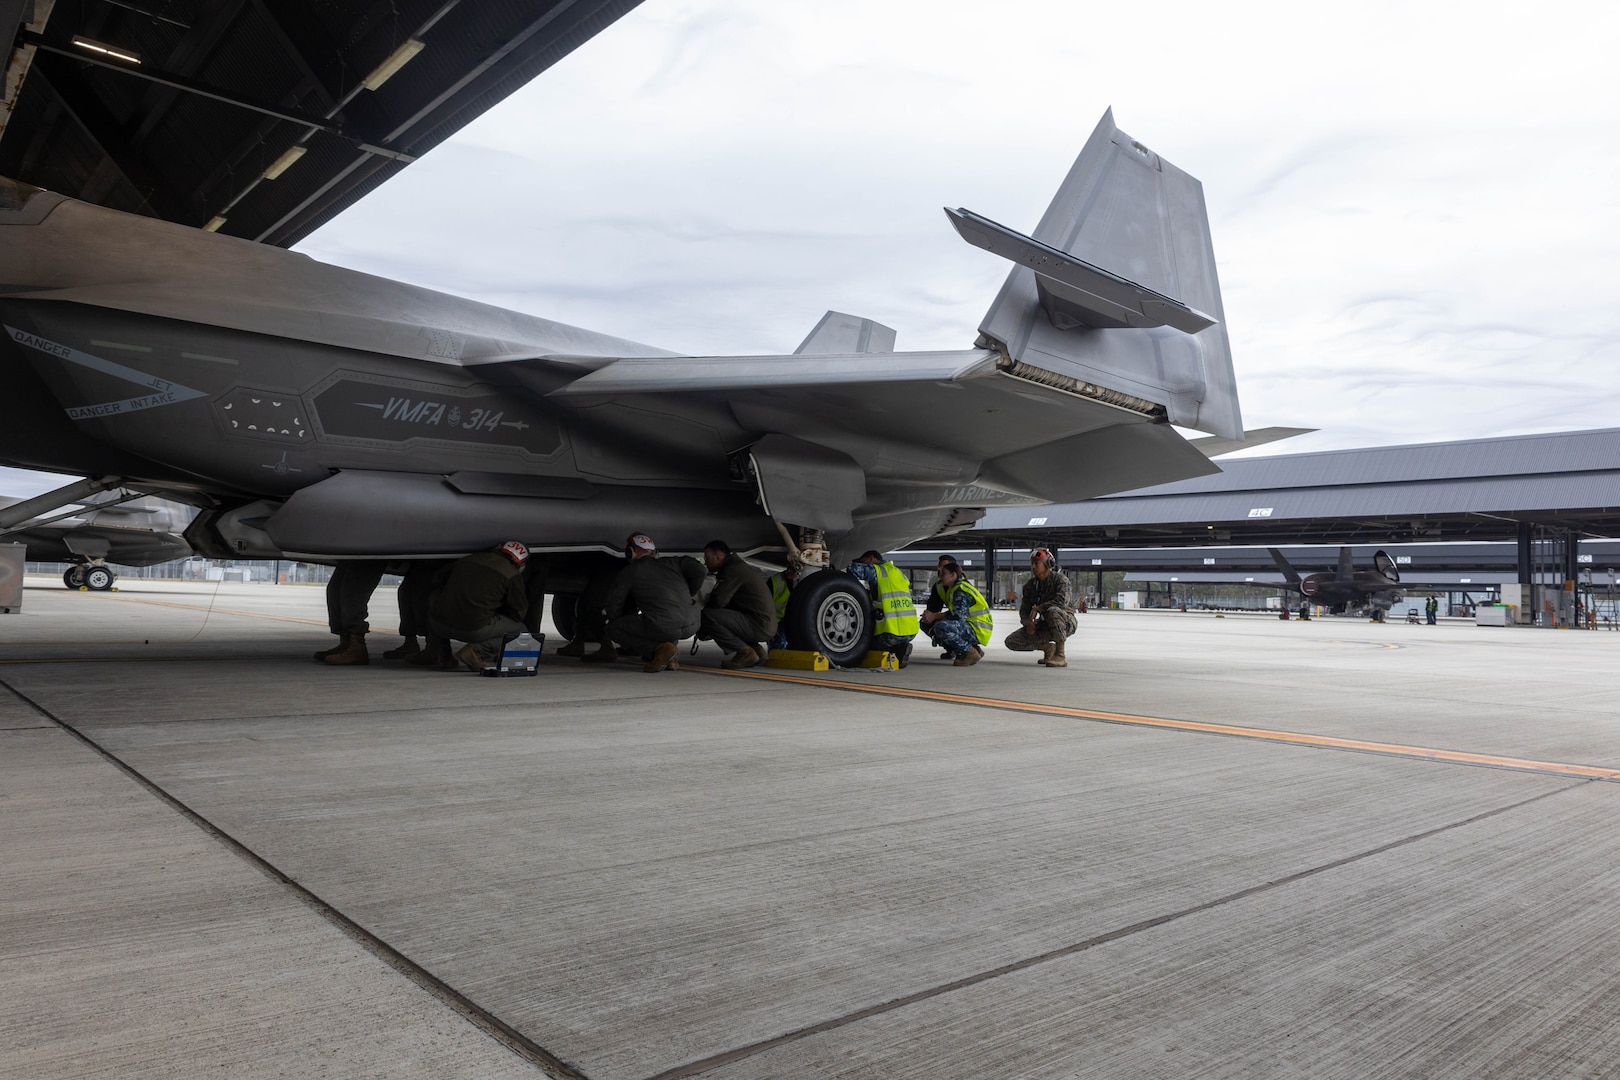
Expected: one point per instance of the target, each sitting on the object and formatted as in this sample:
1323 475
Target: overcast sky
1415 207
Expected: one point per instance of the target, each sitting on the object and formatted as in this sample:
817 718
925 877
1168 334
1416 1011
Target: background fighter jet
1346 588
131 532
317 413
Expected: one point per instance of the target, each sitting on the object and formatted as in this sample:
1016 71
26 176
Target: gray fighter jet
140 531
317 413
1345 588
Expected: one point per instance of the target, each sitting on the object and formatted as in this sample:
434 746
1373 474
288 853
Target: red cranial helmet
515 551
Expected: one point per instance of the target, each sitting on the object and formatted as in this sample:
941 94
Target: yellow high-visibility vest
781 592
978 616
896 613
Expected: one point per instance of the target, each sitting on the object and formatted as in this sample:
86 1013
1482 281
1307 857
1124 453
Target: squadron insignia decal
394 411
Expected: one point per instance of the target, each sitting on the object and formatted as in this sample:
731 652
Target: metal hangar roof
259 118
1476 489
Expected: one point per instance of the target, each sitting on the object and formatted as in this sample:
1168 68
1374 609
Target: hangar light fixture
285 161
115 51
213 224
396 60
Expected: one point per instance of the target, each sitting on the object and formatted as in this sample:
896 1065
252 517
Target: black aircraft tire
98 579
830 613
73 577
565 613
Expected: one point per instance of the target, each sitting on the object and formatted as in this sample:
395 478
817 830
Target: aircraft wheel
73 577
565 614
98 579
830 613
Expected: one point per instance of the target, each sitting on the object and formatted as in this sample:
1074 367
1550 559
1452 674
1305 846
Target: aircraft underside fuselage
1342 599
451 457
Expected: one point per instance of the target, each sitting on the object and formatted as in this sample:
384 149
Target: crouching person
484 598
651 606
962 626
740 615
782 585
1046 612
894 615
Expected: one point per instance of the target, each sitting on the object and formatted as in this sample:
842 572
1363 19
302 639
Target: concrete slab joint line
491 1025
729 1057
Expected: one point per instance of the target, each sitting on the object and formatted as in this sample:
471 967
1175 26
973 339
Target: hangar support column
1527 574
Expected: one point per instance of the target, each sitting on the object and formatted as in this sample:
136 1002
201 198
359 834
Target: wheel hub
839 621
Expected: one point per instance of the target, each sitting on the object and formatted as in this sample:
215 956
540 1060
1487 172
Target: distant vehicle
139 532
1346 588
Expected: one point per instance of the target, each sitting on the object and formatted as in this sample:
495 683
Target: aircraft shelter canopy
1476 489
261 119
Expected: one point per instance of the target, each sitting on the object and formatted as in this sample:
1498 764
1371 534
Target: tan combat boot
470 656
663 658
431 656
607 654
969 658
1056 658
343 643
1048 650
353 652
745 657
407 649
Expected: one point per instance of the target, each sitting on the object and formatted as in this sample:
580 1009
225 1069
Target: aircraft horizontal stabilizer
670 374
1073 292
1215 446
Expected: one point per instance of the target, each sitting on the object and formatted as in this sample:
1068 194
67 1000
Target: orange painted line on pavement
1459 757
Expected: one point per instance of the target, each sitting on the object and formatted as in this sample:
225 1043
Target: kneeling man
1046 612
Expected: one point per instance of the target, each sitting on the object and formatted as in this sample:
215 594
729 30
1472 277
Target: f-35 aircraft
140 531
1346 588
317 413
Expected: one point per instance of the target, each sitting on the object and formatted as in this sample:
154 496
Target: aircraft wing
673 374
960 418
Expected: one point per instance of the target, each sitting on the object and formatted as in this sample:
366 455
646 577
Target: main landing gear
95 577
830 613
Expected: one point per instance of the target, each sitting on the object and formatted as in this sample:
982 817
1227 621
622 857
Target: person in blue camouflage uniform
1046 612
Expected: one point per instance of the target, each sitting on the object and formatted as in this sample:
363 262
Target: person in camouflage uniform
1046 612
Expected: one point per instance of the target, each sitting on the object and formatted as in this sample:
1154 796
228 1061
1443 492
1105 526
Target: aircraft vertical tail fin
1288 571
1347 565
838 333
1115 294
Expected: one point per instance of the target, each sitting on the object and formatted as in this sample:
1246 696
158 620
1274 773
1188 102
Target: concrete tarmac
1209 848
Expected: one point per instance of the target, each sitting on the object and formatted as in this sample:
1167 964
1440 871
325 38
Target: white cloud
1413 205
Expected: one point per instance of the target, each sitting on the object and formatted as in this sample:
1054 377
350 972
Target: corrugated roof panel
1524 494
1514 455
